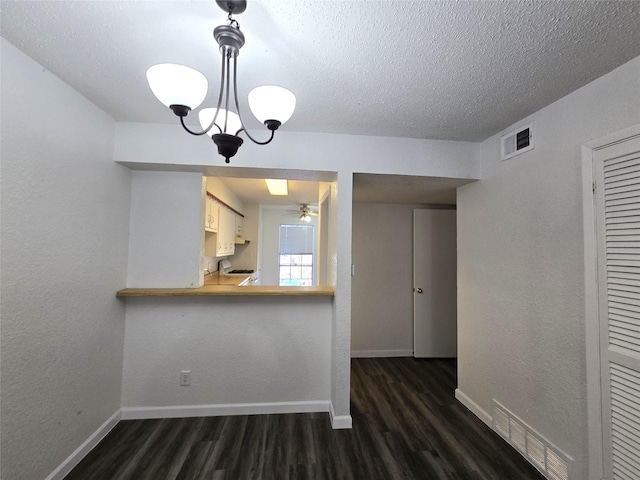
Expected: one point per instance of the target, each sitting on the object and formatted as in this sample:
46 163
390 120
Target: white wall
271 219
65 220
240 350
382 288
339 275
167 224
521 333
216 186
168 147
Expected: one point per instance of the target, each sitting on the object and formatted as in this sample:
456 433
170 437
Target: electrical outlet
185 378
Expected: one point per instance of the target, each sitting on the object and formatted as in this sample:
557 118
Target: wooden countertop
216 279
227 285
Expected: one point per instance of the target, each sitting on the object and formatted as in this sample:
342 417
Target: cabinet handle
417 290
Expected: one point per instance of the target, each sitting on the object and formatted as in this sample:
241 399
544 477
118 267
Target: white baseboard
72 460
380 353
218 410
339 422
474 407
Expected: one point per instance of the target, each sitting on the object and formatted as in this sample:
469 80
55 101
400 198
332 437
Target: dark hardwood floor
406 425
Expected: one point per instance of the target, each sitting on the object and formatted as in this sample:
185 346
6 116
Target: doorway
611 182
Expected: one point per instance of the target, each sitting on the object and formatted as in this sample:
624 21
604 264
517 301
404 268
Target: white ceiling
455 70
405 189
254 190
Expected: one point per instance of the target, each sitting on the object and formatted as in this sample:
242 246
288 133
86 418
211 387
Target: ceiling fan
304 213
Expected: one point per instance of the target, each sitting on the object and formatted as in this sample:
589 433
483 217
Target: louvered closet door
617 174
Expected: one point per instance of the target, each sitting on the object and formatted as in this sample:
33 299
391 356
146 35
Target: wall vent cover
517 141
549 460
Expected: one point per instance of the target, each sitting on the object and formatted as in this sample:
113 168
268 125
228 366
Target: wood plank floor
406 425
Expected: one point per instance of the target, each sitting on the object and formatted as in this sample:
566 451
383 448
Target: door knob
417 290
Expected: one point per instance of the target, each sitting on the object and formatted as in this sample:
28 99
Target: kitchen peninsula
254 349
228 290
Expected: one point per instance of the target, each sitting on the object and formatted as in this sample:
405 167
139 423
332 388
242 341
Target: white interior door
617 209
434 283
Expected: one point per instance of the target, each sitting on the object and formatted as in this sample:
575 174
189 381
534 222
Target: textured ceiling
457 70
454 70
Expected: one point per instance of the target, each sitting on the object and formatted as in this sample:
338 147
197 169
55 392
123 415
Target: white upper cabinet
239 225
226 233
212 217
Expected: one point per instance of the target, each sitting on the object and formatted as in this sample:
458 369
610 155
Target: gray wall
65 225
521 331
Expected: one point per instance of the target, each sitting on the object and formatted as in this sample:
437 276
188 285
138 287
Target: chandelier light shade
270 102
183 89
177 85
233 126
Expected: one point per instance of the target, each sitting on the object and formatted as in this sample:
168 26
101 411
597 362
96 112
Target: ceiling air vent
517 142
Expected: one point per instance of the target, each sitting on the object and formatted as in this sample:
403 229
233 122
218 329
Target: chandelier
183 89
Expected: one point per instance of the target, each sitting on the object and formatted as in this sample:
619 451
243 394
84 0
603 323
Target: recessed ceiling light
277 186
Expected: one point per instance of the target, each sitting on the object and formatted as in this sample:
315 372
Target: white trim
218 410
613 138
592 329
474 408
380 353
339 421
74 459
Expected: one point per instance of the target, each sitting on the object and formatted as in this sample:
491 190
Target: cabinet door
239 225
211 216
226 233
221 251
230 231
215 214
206 211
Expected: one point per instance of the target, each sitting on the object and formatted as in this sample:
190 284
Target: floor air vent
517 142
551 462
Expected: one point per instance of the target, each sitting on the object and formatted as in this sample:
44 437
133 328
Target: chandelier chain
232 22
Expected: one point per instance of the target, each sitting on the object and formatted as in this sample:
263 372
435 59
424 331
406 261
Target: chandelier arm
223 69
190 131
273 132
213 121
235 96
226 98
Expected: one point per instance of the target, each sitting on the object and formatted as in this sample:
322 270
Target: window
295 259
